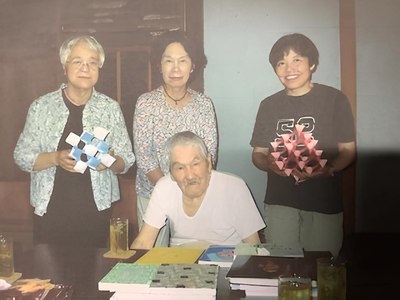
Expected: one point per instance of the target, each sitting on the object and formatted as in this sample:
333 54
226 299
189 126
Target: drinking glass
331 279
118 235
294 288
6 257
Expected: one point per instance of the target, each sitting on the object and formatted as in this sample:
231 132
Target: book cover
260 270
166 279
170 255
221 255
188 279
128 276
269 249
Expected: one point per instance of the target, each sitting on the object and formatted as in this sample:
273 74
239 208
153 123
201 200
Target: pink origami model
297 151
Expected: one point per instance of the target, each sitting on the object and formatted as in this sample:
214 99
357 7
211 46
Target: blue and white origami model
94 149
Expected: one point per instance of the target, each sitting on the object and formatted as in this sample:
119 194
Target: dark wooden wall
31 33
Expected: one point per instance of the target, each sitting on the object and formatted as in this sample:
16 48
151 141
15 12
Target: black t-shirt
326 114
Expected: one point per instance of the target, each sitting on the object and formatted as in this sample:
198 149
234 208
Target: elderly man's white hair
186 138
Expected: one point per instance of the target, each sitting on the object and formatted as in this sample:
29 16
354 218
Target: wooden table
371 268
83 268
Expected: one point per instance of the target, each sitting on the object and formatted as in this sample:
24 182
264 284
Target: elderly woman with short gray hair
70 207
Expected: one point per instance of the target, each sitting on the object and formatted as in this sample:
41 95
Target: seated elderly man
201 204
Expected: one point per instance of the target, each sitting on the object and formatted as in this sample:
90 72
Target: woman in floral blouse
170 108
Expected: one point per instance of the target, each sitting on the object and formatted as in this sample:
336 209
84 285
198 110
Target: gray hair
91 42
186 138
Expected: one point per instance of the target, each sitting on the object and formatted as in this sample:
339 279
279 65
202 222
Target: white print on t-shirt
284 126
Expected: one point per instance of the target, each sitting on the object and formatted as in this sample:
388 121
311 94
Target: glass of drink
6 257
118 235
331 279
294 288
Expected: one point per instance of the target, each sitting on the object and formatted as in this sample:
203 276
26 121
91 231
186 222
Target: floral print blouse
155 121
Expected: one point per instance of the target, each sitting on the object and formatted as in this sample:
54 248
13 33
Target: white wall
238 35
378 68
378 115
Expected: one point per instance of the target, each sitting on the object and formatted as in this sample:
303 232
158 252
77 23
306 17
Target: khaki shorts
312 230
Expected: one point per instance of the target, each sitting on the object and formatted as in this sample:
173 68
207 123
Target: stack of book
253 268
161 281
258 275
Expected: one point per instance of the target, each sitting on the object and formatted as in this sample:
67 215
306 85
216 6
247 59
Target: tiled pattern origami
297 150
89 150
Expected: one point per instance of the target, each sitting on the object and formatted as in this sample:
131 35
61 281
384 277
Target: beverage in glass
118 235
294 288
6 257
331 279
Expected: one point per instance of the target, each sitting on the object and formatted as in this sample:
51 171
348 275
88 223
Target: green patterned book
179 279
